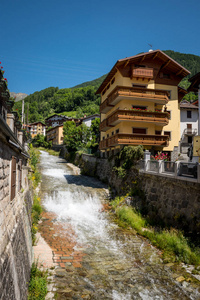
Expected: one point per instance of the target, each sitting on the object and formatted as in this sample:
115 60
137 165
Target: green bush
37 284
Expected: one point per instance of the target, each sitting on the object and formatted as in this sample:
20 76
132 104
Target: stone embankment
169 201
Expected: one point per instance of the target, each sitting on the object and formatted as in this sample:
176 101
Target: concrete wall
15 227
172 202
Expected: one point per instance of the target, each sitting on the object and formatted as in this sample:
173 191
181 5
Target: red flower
5 79
1 67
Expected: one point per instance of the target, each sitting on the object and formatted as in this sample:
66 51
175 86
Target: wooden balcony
137 139
104 125
158 118
134 93
105 106
103 144
145 73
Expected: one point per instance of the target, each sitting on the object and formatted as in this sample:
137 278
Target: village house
188 125
15 202
56 120
55 135
37 128
140 100
88 120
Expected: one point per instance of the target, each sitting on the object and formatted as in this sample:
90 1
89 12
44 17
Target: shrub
37 284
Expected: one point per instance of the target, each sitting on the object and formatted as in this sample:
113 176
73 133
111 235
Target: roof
188 105
174 66
54 127
35 123
62 116
95 115
195 82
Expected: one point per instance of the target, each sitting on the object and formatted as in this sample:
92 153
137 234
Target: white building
188 125
88 120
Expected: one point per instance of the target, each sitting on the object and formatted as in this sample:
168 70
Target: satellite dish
151 48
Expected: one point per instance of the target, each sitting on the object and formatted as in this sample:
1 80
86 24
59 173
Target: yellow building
140 103
37 128
55 134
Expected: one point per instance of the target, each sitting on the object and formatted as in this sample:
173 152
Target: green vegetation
35 177
37 284
126 158
81 137
45 103
81 99
41 141
174 245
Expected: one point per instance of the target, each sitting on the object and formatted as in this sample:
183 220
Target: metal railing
177 169
153 166
168 166
187 169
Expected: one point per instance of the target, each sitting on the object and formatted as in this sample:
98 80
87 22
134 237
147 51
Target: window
112 132
140 130
117 131
107 135
13 177
189 114
143 86
158 132
19 175
139 107
169 112
168 133
189 139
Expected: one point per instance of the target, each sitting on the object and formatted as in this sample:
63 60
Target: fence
188 171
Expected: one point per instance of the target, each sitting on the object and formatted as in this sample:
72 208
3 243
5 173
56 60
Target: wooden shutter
13 178
20 175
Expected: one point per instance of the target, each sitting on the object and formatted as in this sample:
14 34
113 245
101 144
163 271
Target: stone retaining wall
172 202
15 228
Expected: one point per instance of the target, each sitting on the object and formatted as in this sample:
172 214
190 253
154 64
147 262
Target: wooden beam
179 72
127 63
155 55
166 64
142 58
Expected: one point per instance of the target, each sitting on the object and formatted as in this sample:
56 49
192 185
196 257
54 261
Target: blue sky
63 43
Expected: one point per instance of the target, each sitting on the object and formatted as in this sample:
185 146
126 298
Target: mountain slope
82 99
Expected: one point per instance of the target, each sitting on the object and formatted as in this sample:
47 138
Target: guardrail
182 170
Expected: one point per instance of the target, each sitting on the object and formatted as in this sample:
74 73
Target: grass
35 215
38 283
50 151
174 245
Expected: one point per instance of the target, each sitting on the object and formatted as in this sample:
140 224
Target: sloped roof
172 65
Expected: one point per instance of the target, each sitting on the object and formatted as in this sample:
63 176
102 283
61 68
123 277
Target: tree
76 137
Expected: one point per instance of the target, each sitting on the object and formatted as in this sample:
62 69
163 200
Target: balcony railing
153 95
137 139
190 131
103 144
104 125
146 73
160 118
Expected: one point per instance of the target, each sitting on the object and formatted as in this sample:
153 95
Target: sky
63 43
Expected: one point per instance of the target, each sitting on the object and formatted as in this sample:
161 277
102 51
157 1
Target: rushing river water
114 264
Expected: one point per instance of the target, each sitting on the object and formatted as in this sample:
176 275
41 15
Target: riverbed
93 257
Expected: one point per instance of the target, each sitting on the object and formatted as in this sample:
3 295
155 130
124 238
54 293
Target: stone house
15 203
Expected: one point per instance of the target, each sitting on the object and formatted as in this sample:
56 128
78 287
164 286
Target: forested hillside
81 99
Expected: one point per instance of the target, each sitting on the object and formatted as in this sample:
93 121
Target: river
95 258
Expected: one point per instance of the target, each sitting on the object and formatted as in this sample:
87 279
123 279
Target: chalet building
188 125
140 104
15 203
56 120
55 135
88 120
37 128
195 87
